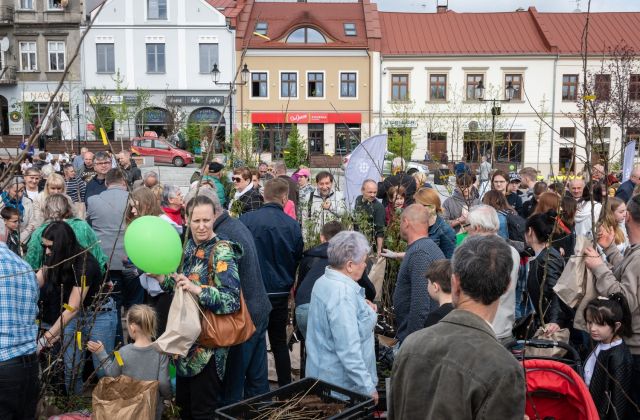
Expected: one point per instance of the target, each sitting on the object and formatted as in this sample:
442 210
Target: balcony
8 75
6 14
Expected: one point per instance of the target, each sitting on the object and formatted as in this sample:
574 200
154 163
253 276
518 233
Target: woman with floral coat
199 375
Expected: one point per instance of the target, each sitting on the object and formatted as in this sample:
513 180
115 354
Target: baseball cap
215 167
304 172
514 177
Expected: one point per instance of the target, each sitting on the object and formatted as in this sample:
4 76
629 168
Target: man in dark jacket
457 369
279 244
102 165
312 266
247 362
372 211
129 167
625 191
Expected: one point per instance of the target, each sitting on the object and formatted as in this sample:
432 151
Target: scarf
9 202
248 188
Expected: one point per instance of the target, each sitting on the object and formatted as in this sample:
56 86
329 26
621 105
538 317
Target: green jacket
85 235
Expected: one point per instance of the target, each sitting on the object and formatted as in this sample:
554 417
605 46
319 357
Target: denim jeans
19 388
277 329
103 329
635 381
247 373
302 316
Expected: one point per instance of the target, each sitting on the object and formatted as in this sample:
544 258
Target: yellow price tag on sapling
83 282
118 358
79 339
69 307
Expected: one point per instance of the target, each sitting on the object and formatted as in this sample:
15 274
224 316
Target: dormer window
157 9
261 28
306 36
350 29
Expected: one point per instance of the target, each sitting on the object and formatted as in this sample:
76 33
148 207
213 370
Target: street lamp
244 77
495 110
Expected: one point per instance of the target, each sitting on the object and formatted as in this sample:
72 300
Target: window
350 29
634 87
159 144
157 9
306 36
315 85
606 133
472 82
105 58
516 82
348 85
567 132
155 58
602 87
569 87
54 4
347 138
509 146
400 87
26 4
261 28
145 143
438 87
259 85
288 85
208 57
28 54
56 55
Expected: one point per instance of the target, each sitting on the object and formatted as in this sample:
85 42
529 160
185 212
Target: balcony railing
8 75
6 14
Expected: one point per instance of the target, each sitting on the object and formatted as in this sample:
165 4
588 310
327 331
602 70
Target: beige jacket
625 278
28 224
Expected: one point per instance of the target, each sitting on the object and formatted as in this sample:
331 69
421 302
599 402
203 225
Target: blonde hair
55 180
608 219
157 190
144 316
428 197
421 179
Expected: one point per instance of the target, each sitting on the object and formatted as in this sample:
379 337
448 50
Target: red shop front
273 128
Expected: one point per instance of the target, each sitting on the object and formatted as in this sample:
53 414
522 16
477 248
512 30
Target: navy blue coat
279 244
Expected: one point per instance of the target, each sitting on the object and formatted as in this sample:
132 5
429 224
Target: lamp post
495 110
78 117
244 77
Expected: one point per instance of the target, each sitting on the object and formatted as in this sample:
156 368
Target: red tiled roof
328 18
460 33
606 30
523 32
222 4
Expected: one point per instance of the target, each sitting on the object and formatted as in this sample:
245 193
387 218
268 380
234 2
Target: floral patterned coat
220 295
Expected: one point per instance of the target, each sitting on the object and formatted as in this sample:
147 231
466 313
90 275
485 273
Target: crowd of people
478 268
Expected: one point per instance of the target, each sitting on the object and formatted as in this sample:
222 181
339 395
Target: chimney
442 6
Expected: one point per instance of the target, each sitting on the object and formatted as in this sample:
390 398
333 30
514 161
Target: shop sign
400 124
306 118
195 100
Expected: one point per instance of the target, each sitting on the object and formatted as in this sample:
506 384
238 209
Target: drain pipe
553 111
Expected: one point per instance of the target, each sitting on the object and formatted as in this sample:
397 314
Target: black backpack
516 226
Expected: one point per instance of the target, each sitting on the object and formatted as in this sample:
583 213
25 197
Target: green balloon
153 245
512 167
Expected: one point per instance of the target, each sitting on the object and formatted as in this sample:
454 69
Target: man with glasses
625 191
102 166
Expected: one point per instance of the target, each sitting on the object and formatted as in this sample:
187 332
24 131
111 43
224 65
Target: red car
161 150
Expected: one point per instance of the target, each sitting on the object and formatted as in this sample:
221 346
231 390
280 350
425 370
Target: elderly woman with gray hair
172 204
340 345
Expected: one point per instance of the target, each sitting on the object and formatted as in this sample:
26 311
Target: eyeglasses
236 179
103 163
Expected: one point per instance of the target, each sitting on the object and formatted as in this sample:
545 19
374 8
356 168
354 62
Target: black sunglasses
236 179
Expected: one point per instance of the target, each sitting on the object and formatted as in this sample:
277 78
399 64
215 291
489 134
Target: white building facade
156 57
427 90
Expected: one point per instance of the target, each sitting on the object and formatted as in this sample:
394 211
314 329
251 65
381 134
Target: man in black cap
214 172
513 197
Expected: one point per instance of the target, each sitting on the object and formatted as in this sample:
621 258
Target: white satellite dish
4 44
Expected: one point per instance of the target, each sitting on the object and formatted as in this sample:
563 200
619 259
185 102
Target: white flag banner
65 126
45 122
629 155
366 162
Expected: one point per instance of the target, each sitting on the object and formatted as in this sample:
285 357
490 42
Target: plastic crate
357 406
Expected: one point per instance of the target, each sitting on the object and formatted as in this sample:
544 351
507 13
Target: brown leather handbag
225 330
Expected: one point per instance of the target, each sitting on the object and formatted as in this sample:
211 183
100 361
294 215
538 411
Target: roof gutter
380 95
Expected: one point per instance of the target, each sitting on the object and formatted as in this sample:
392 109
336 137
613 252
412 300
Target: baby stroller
555 389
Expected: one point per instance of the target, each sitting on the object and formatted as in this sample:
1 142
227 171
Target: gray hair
484 218
58 207
207 192
494 256
168 192
347 246
150 174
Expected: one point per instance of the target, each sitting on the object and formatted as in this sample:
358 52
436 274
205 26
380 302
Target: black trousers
19 388
277 331
197 396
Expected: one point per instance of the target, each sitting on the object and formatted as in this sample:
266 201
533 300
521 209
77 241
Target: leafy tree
295 153
400 143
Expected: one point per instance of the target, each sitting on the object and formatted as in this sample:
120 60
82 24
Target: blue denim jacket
340 348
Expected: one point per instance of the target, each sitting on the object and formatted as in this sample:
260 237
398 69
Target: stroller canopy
555 390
